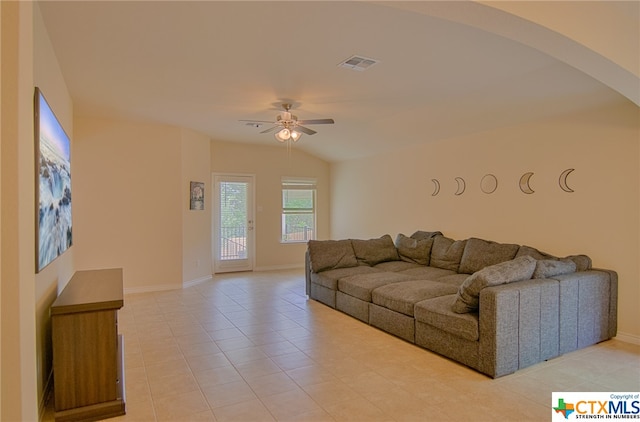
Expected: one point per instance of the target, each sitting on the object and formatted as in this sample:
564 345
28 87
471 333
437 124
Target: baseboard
628 338
279 267
150 289
46 394
198 280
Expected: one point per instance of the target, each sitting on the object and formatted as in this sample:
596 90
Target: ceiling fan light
283 136
295 135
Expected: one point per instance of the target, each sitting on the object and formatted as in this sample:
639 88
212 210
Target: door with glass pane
233 223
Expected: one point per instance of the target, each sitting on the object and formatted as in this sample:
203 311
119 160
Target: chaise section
324 284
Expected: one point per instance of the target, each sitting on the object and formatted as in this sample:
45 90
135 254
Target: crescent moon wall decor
525 181
562 181
461 185
489 183
436 187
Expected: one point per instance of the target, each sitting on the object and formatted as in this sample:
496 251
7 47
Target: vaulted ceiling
206 65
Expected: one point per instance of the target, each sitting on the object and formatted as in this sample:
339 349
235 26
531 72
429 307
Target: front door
233 223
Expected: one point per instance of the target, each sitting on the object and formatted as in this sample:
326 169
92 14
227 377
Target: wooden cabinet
87 350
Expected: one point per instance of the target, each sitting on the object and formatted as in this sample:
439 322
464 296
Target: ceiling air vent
358 63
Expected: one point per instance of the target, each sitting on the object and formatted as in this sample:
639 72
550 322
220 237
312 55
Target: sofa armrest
307 273
519 325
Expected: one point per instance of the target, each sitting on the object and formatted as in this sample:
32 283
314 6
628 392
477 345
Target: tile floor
252 347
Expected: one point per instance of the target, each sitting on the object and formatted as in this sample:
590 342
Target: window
298 210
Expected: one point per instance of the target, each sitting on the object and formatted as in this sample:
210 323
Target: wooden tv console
88 373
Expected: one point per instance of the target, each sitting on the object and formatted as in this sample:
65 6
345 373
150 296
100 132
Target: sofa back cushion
446 253
583 262
331 254
467 298
413 250
375 251
421 235
548 268
479 253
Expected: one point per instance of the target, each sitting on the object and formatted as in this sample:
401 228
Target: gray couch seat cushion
396 266
360 286
402 296
479 253
427 273
437 313
467 298
331 254
375 251
446 253
414 250
329 279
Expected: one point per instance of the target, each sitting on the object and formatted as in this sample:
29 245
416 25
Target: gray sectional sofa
494 307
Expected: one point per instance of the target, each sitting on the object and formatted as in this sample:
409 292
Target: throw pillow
421 235
547 268
479 253
331 254
413 250
375 251
468 296
583 262
446 253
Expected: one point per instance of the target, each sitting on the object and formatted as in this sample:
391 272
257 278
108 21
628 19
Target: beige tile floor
252 347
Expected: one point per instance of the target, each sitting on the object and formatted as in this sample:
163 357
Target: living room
131 185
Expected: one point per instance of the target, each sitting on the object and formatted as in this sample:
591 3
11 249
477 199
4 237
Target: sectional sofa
492 306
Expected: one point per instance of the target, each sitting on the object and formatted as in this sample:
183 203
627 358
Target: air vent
358 63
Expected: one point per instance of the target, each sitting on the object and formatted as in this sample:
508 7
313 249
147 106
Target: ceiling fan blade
316 122
305 130
271 129
257 121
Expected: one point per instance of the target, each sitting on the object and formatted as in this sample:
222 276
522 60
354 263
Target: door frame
251 238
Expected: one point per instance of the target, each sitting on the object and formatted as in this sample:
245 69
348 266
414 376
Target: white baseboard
198 280
628 338
279 267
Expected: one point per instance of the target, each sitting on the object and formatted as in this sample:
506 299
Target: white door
233 223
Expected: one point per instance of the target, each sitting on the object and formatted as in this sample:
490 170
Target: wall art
525 183
562 181
196 197
436 187
489 183
53 184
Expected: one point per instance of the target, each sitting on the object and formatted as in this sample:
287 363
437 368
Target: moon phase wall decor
436 187
525 181
489 183
461 186
562 181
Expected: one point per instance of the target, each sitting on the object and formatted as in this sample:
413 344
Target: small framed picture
197 196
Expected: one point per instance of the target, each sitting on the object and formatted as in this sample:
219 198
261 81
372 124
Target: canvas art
197 196
53 190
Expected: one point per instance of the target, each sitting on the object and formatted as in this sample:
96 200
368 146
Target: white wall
392 193
196 224
269 165
129 200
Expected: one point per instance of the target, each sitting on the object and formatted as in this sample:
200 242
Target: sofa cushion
446 253
547 268
360 286
414 250
505 272
437 313
375 251
583 262
396 266
401 297
329 278
331 254
421 235
479 253
427 273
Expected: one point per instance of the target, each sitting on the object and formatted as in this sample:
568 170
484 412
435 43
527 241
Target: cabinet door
84 358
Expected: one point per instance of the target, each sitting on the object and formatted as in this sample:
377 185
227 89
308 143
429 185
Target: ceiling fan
288 127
